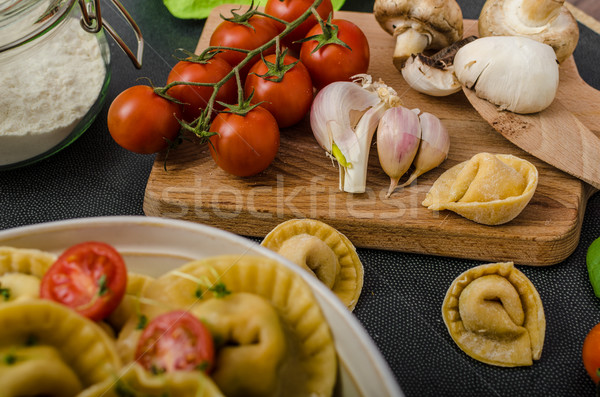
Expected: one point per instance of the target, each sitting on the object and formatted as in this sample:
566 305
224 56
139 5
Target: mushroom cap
501 18
440 19
514 72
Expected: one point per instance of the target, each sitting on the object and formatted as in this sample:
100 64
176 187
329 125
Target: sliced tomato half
90 278
176 341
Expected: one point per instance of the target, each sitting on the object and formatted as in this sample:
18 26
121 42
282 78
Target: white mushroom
418 25
434 75
516 73
546 21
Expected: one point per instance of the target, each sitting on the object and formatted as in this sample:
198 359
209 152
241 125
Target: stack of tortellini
271 337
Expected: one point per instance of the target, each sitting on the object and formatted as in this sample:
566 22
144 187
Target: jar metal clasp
91 21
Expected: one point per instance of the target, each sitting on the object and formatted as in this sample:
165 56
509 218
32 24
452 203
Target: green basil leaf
200 9
592 260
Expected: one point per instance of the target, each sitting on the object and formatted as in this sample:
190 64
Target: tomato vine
200 127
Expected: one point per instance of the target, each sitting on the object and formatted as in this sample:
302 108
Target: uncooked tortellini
495 315
322 251
488 189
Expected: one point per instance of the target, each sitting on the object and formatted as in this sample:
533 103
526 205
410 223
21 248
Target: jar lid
22 21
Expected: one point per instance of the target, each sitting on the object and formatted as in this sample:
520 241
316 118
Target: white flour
46 91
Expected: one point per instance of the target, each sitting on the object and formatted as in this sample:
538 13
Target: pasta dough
21 271
34 371
135 381
129 306
488 189
27 261
311 363
495 315
247 327
19 286
80 343
322 251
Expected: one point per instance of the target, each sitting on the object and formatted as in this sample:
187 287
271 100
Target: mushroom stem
409 42
540 12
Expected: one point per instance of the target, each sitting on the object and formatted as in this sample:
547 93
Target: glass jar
54 74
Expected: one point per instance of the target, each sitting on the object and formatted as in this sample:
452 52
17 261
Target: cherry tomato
236 35
196 97
175 341
334 62
142 121
288 100
289 11
245 145
89 277
591 353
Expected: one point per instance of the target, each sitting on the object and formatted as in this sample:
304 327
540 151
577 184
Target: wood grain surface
302 182
553 135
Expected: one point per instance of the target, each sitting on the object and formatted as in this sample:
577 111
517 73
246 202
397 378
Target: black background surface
401 301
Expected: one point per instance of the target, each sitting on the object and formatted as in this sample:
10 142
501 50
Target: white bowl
154 246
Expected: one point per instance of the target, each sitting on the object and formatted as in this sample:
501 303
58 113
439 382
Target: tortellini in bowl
271 337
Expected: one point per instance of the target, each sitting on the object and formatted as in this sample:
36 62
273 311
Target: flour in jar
47 91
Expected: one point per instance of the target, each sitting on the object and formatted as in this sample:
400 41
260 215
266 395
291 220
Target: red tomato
290 10
236 35
333 62
89 277
288 100
245 145
175 341
196 97
591 353
142 121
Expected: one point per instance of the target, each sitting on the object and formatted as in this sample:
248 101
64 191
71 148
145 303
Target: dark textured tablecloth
401 301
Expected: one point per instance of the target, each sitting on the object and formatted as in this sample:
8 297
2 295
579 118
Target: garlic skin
430 80
434 147
398 138
516 73
343 118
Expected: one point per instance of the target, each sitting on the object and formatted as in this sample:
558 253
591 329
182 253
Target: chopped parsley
5 293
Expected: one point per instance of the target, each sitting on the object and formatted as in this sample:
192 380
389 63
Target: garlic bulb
516 73
398 137
434 147
343 118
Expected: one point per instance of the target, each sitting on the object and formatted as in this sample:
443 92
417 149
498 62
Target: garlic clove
434 147
398 137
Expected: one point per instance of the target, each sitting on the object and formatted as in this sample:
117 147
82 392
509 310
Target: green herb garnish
5 293
102 287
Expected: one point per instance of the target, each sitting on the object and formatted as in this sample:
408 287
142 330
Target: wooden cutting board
303 183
